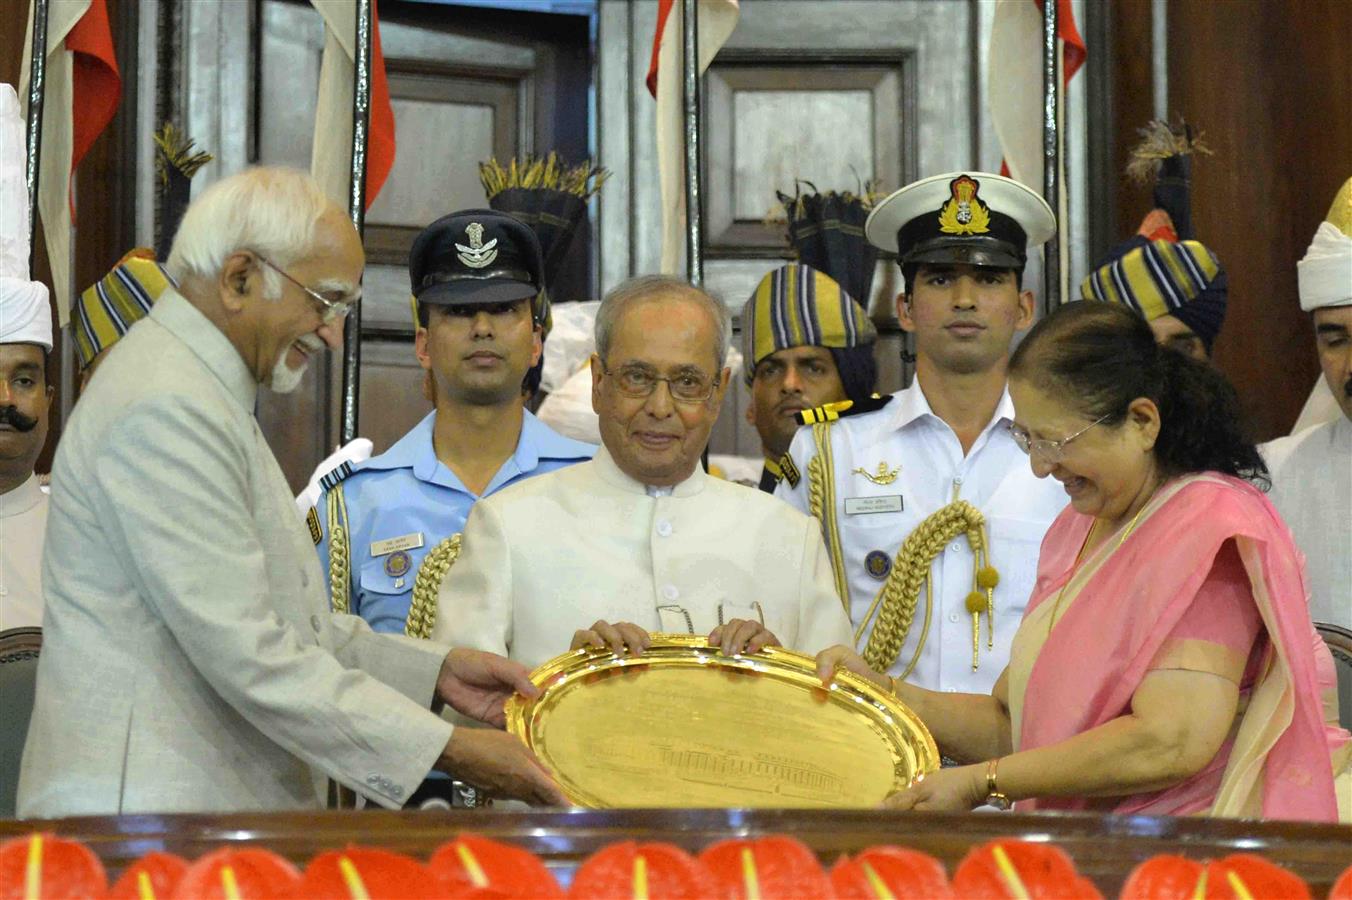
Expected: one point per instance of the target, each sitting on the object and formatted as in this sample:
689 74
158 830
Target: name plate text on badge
391 545
859 506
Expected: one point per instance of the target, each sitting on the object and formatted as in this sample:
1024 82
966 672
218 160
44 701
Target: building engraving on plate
748 771
757 772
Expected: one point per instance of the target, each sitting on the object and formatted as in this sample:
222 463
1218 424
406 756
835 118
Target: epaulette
841 409
335 475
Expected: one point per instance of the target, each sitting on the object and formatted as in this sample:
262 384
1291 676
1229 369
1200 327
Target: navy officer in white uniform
930 512
478 287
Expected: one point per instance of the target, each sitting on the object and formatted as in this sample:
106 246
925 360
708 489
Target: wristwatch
993 795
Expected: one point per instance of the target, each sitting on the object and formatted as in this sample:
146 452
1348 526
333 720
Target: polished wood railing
1105 848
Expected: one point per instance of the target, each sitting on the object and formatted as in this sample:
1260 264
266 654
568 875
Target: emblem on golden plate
684 726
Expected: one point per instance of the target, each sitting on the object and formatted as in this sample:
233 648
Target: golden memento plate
684 726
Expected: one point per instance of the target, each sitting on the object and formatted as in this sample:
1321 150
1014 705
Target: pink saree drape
1119 613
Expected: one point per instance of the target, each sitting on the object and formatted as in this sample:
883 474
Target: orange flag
716 20
1014 89
380 136
82 91
97 83
331 156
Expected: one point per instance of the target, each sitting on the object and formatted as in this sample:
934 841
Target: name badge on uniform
862 506
395 544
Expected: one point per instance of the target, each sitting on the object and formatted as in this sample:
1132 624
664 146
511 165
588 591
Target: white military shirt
23 525
1312 489
924 453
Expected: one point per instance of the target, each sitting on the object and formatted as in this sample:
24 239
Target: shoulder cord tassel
897 599
821 504
338 551
422 612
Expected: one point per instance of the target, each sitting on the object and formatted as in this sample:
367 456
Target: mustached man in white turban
1312 469
25 395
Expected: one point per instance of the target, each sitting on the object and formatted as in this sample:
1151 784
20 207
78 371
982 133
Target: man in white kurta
25 395
641 536
939 453
1312 469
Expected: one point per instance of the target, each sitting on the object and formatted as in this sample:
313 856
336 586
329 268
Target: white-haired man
640 539
190 662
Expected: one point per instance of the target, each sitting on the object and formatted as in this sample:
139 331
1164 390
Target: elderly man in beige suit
190 660
640 539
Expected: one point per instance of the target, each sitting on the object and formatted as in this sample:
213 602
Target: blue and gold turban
1161 277
118 300
797 306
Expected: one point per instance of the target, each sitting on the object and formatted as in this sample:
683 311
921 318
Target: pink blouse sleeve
1218 631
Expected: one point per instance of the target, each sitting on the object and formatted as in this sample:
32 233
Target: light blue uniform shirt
406 496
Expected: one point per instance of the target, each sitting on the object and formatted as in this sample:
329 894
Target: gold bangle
994 797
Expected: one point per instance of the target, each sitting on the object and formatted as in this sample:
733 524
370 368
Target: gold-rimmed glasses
1052 452
333 307
686 386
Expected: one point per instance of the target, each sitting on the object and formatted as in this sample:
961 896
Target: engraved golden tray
684 726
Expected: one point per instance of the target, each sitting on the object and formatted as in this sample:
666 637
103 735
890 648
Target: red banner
97 87
380 143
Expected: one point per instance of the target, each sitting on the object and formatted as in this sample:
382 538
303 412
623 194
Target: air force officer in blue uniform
478 286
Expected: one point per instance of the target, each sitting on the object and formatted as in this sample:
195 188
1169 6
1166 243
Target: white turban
25 312
1325 274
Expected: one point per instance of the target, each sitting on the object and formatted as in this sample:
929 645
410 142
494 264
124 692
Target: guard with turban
108 308
1312 470
25 394
805 343
1172 281
118 300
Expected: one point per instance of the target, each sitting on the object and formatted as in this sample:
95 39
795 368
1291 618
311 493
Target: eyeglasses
332 309
690 386
1051 452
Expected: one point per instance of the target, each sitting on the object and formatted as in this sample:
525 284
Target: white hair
655 287
270 211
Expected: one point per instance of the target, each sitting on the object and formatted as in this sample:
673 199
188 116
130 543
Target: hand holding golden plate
684 726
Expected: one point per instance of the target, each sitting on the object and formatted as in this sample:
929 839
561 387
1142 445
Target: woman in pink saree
1166 663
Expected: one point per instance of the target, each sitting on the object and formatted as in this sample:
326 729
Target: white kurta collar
612 475
22 498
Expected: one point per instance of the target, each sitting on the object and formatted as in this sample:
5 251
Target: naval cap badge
964 213
477 254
